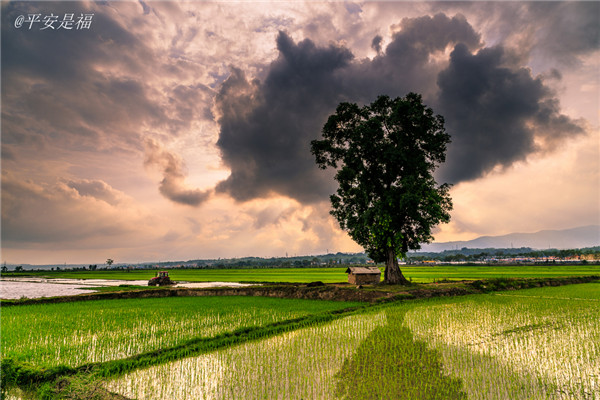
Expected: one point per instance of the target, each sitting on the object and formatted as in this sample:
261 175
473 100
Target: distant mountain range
575 238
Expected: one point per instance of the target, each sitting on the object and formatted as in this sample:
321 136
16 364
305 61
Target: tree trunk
393 275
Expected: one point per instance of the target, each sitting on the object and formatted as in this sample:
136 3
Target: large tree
385 155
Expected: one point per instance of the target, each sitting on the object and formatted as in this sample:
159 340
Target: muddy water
16 288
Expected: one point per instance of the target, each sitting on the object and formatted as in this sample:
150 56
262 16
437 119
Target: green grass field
333 275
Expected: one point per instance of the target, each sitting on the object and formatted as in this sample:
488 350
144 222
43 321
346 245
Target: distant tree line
467 255
330 260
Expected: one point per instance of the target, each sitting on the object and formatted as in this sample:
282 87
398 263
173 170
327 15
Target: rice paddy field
95 331
423 274
541 343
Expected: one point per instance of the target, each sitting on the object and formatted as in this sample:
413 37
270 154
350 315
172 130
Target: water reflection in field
31 287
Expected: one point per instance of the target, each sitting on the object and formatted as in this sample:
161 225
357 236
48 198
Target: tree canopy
385 154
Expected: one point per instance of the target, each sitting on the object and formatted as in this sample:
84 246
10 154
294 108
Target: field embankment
335 292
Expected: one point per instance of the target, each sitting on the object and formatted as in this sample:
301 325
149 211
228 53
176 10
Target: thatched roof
363 270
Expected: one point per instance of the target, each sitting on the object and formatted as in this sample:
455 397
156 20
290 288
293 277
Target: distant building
363 275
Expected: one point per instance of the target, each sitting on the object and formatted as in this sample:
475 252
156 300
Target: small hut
363 275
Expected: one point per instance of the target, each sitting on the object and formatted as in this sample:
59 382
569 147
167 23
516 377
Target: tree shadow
391 364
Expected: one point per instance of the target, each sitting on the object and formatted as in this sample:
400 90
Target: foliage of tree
385 154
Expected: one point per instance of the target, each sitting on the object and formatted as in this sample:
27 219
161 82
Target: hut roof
363 270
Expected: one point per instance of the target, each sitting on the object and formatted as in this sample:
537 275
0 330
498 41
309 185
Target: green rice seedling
518 345
585 291
390 364
296 365
532 344
97 331
370 355
540 345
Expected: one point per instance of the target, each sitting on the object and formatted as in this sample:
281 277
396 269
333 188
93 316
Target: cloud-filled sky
181 130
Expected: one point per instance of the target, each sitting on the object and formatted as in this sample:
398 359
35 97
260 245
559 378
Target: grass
333 275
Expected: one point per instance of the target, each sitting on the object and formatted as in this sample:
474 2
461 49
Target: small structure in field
363 275
161 279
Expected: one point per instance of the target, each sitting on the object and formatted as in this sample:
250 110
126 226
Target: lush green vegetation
476 254
289 366
535 343
429 274
95 331
391 364
333 275
493 346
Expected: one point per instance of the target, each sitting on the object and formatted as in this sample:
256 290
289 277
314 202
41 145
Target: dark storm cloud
266 127
376 43
495 110
91 90
59 88
406 63
494 113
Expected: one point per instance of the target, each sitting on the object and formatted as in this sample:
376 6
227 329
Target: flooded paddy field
33 287
541 343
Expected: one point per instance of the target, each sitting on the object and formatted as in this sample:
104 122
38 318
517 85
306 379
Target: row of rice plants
95 331
480 347
295 365
537 343
363 356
